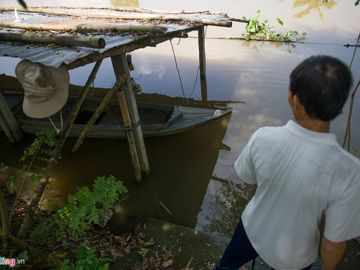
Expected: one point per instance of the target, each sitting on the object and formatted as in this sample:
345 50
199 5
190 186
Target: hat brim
44 109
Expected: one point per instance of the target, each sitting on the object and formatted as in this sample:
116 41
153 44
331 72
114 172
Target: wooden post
202 60
9 120
120 66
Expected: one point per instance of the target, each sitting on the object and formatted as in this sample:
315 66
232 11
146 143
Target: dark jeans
239 251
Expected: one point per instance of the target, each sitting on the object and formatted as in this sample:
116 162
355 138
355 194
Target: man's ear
293 99
298 106
296 100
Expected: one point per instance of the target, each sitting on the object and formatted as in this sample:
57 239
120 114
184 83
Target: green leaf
23 256
280 21
262 30
143 252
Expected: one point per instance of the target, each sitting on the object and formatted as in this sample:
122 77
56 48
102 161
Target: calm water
256 72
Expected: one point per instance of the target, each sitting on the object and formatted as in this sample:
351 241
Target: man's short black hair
322 84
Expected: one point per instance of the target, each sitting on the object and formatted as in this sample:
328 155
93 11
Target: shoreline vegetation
67 241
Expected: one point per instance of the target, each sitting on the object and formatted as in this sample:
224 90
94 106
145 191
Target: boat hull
156 119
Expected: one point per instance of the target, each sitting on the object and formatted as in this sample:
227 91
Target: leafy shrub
262 30
85 259
43 144
40 150
85 207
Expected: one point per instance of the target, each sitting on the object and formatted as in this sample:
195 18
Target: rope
354 53
177 68
133 126
57 130
195 82
347 135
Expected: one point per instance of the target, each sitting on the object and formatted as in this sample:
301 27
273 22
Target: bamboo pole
58 39
31 208
195 17
130 134
97 11
9 119
239 20
97 113
82 25
6 130
120 28
202 60
121 67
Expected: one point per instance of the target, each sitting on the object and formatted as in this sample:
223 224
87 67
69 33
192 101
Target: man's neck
316 125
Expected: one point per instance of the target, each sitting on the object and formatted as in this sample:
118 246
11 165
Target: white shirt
300 175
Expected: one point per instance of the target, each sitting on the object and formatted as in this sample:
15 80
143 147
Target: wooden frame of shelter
96 34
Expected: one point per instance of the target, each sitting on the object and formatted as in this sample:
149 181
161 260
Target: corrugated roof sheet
54 56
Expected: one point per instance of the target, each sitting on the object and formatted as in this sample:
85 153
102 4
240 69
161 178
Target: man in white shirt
299 174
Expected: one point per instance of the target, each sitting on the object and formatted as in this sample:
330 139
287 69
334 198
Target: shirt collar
320 137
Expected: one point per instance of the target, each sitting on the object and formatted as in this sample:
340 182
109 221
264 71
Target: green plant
85 207
43 144
257 29
85 259
40 150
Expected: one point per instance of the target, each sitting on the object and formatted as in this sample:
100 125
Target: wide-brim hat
46 89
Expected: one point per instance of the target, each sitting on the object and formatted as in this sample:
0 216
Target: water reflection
228 202
313 6
257 46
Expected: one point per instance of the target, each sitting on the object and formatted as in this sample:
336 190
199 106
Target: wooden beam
121 67
239 20
82 26
130 134
105 101
9 119
58 39
202 60
205 18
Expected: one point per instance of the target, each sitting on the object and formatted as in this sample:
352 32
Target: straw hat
46 88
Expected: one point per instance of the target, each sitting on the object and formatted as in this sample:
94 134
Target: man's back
299 174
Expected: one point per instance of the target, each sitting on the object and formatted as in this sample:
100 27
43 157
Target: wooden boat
156 119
